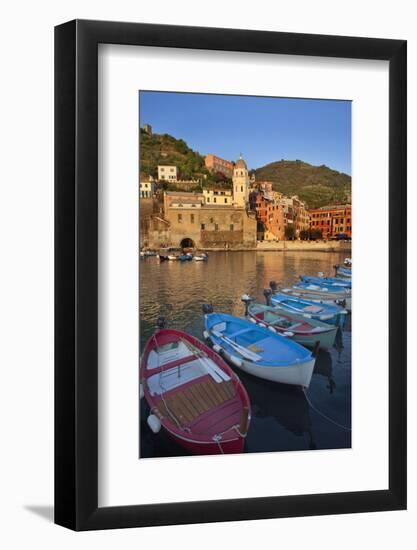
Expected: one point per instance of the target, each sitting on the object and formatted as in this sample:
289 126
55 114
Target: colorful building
332 220
167 173
269 212
219 197
146 189
301 216
241 184
218 165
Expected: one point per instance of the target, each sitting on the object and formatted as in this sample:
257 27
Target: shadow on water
282 418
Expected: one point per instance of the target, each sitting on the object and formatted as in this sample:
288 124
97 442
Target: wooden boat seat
190 403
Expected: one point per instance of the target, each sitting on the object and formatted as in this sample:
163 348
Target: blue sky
263 129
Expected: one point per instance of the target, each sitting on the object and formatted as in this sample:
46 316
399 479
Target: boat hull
228 446
321 297
295 375
336 318
305 332
227 409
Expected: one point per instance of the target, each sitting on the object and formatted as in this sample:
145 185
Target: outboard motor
207 308
246 299
268 294
161 322
273 285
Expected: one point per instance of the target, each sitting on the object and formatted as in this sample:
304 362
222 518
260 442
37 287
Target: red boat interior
284 322
203 406
187 385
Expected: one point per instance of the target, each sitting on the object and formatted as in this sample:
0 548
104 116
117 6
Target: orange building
269 215
332 220
216 164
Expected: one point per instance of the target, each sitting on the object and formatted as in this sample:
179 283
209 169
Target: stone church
192 222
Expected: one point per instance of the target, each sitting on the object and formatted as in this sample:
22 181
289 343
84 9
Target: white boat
203 257
259 351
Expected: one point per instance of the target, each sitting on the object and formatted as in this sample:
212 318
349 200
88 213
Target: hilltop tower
240 183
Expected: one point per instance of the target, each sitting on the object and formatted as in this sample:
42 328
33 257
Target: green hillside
166 149
316 185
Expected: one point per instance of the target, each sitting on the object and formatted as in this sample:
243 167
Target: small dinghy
203 257
329 313
163 257
343 271
329 282
172 257
193 394
185 257
325 294
307 332
257 350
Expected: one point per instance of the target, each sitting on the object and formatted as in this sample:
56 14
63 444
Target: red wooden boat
193 394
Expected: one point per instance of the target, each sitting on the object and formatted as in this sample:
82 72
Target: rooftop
331 207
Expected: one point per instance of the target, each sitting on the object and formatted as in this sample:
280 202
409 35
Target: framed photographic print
230 275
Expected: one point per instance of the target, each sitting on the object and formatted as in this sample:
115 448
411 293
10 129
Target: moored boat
322 294
172 257
257 350
329 313
203 257
148 253
302 330
163 257
343 271
193 394
185 257
335 282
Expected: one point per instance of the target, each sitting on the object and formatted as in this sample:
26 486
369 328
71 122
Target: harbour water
284 418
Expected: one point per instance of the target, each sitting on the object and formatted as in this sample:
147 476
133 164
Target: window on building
208 199
225 201
241 188
162 169
192 218
214 200
211 220
216 227
231 227
203 226
179 218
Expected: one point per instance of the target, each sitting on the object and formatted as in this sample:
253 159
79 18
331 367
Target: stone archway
187 243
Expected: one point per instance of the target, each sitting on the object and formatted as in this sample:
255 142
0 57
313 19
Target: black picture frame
76 272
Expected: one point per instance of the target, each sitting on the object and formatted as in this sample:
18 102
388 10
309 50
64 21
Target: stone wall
211 227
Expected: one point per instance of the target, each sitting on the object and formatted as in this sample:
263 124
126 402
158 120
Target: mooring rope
346 428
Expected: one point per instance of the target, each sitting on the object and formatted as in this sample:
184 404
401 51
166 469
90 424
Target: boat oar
217 374
240 349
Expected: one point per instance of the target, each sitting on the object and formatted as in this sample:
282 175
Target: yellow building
241 184
219 197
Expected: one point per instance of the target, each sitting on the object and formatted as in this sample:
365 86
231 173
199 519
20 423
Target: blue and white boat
329 313
336 282
343 271
185 257
257 350
321 294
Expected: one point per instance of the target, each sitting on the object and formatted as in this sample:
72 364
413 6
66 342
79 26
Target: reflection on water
282 418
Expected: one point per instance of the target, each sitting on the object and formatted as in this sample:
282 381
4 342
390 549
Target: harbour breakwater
297 246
